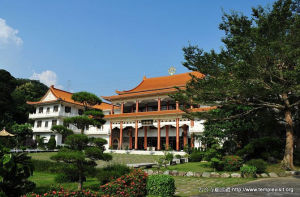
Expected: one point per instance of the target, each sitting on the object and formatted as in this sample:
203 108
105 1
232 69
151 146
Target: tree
81 153
22 132
64 131
259 67
51 143
15 169
91 115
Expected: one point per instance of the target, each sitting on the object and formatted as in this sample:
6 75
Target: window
48 110
54 122
55 108
67 109
46 124
80 111
41 110
39 123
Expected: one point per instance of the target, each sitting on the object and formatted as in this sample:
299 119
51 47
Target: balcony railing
52 114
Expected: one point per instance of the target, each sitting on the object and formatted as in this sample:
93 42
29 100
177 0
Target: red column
137 106
110 137
112 109
192 140
177 105
130 138
167 137
136 135
177 134
145 137
158 135
158 104
122 108
121 135
185 140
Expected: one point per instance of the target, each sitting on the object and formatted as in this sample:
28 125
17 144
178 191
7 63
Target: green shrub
68 173
111 172
211 153
129 185
263 148
178 156
248 171
216 164
260 165
161 185
232 163
169 157
196 156
51 143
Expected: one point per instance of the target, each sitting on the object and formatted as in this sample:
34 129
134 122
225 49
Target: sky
105 45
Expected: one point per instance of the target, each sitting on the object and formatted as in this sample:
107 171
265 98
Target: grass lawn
277 168
117 158
44 181
188 186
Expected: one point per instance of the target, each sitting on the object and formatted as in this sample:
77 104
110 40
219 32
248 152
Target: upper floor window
54 122
67 109
80 111
48 109
46 124
41 110
39 123
55 108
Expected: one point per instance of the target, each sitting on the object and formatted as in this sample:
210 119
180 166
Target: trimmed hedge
161 185
196 156
129 185
260 165
248 171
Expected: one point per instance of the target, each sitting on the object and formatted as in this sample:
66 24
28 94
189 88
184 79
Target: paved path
291 185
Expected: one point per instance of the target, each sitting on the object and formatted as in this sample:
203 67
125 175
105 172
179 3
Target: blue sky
100 46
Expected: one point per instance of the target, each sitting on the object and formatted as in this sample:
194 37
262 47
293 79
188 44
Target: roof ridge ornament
172 70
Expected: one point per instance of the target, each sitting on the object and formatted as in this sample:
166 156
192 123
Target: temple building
148 119
56 105
143 118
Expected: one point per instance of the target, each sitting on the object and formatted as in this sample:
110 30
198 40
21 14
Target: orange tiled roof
156 85
62 95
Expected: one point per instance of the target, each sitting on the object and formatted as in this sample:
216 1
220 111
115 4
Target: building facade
143 118
57 105
148 119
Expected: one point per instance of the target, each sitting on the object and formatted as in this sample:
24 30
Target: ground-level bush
260 165
232 163
196 156
132 184
217 164
248 171
107 174
161 185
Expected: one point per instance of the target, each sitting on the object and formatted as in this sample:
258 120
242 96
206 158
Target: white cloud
47 77
9 34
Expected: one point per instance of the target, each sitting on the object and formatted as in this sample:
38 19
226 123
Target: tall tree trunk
80 181
82 131
289 145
